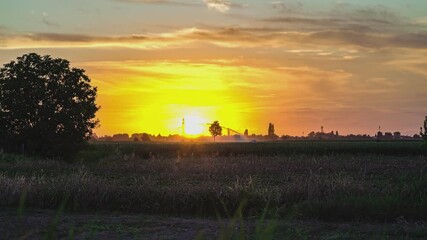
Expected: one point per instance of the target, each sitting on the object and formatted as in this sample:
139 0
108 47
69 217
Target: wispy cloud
346 66
162 2
412 64
421 21
46 20
80 38
220 5
378 12
226 36
341 16
287 8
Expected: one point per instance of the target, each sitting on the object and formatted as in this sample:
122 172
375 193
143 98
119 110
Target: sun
194 125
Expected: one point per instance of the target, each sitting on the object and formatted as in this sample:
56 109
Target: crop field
300 186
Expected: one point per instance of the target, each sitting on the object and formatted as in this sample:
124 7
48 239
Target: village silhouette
230 135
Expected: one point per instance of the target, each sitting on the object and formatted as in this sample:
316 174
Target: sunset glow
195 125
344 65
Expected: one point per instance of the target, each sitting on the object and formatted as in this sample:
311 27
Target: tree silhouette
271 130
145 137
215 129
424 133
46 107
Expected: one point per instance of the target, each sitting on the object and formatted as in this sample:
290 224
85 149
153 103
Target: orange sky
349 66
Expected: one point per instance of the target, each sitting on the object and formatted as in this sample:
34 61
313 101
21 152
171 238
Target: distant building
379 135
388 135
397 135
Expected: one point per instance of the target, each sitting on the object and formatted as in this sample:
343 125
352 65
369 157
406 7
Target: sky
350 66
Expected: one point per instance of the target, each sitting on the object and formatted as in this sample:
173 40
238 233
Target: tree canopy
215 129
46 107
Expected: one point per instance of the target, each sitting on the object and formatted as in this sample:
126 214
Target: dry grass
334 186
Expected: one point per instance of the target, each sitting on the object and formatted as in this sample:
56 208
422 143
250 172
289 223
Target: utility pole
183 127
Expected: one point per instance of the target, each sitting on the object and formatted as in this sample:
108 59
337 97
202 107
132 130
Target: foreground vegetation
323 181
51 225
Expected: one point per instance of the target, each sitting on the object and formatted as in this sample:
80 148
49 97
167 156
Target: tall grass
329 181
148 150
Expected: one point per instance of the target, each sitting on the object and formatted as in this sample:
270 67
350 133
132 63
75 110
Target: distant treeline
332 136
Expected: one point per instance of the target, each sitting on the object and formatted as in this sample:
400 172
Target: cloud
288 8
80 38
413 64
232 37
331 23
421 21
376 13
46 21
219 5
60 40
235 36
341 16
162 2
303 20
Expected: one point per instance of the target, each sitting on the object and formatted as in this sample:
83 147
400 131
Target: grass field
380 182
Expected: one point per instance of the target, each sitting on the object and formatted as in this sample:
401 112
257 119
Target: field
294 190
